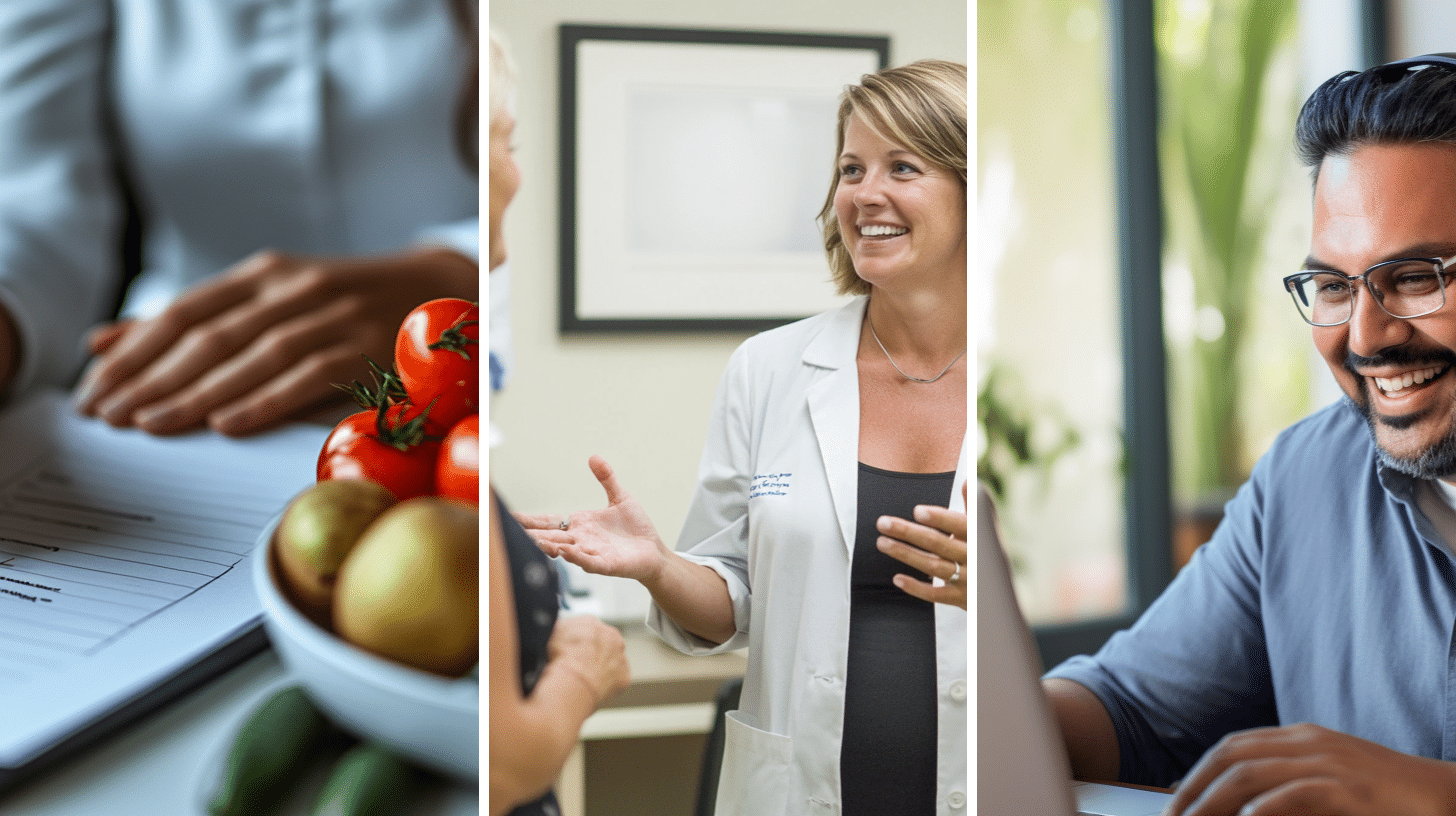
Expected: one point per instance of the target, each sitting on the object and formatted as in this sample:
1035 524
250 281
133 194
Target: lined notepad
123 558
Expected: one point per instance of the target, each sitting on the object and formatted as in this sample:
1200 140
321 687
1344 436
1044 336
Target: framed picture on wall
694 164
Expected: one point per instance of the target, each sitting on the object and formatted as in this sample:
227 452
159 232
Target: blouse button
958 691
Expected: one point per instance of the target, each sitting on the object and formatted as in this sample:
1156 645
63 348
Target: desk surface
661 675
158 765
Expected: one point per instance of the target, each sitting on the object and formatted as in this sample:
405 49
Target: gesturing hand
1309 769
263 341
936 546
618 540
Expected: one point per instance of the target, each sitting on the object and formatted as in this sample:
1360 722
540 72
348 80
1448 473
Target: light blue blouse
307 126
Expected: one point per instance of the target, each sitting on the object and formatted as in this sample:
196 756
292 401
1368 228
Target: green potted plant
1015 439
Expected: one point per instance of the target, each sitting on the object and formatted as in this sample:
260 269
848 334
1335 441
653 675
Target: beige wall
641 401
1421 27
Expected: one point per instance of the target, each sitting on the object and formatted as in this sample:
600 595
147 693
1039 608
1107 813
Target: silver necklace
901 370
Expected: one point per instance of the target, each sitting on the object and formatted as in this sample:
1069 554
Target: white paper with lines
123 558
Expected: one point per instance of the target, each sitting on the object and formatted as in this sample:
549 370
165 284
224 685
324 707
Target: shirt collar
838 342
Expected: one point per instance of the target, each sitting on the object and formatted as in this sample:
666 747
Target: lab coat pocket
755 776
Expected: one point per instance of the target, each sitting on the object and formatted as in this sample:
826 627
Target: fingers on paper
147 340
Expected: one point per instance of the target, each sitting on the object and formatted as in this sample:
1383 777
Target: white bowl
430 719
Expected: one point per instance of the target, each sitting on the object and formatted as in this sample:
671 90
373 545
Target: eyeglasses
1403 288
1395 71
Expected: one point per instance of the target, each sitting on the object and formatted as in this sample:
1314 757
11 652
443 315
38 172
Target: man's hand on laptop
1309 769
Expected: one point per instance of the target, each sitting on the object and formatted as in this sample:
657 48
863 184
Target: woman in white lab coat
826 434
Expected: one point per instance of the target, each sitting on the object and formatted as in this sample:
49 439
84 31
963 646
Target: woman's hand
592 651
618 540
936 546
532 736
264 341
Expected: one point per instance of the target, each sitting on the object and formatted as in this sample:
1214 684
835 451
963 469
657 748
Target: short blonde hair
921 106
502 76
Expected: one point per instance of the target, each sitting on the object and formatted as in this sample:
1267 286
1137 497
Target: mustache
1400 356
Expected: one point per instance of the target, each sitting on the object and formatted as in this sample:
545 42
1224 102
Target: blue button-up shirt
1325 596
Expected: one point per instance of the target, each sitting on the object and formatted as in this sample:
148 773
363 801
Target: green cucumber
268 754
369 780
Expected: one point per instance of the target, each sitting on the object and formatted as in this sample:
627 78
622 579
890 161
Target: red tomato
383 449
437 357
457 471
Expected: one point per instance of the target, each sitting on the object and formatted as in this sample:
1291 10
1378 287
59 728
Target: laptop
1021 763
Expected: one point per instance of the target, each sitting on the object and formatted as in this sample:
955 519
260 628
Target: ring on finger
955 576
565 523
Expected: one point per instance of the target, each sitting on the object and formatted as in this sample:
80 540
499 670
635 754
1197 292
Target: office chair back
727 700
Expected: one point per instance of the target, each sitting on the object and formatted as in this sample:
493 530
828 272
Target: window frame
1147 496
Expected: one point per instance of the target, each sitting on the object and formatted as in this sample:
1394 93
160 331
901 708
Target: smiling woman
837 455
874 136
903 212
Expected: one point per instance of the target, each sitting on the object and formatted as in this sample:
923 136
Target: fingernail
884 524
230 422
156 420
883 543
110 410
922 513
86 393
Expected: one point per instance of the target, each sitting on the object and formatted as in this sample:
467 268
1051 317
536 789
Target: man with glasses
1305 660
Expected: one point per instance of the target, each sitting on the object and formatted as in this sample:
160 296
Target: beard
1436 461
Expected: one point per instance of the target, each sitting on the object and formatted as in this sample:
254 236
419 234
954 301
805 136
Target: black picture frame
606 287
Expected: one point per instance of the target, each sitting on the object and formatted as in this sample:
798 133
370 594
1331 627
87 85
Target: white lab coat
774 514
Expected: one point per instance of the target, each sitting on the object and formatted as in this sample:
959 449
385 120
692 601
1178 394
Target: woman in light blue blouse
297 180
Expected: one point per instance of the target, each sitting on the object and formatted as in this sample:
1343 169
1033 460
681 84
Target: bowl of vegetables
369 579
428 716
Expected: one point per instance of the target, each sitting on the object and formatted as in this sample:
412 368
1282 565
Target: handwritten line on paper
85 508
59 529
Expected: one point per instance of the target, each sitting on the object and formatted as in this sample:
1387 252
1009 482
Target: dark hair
1384 105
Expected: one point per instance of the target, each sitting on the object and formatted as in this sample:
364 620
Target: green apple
318 529
410 589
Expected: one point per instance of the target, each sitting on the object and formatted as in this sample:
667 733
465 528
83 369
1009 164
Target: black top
887 758
533 580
